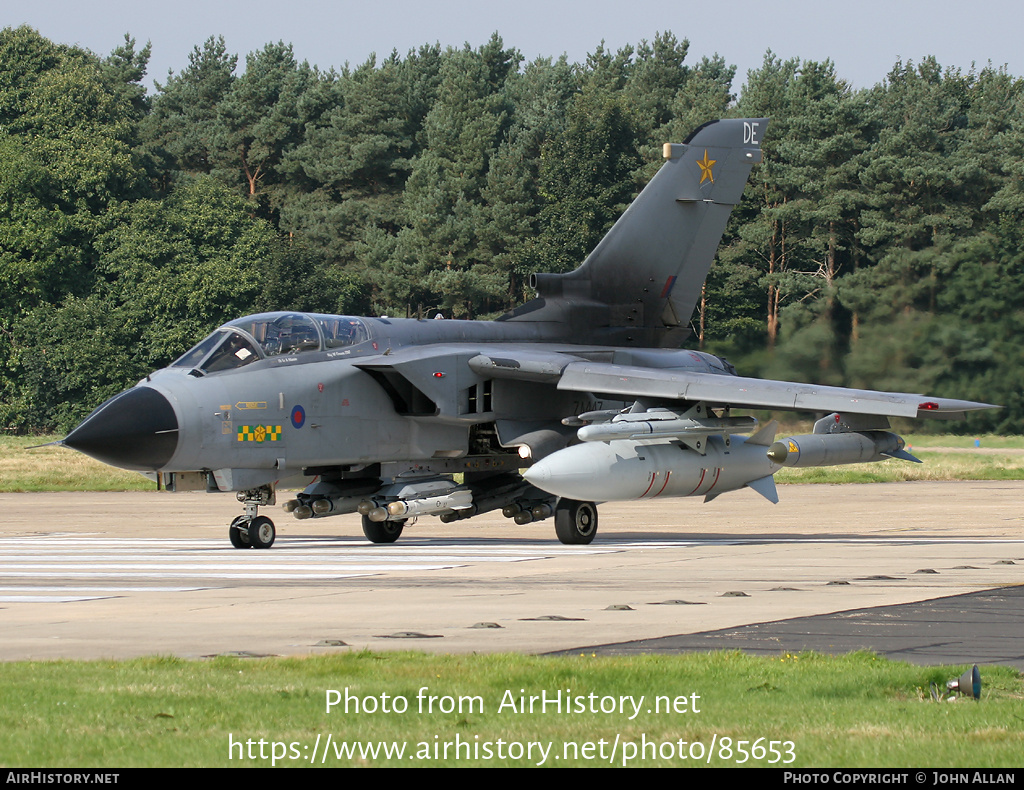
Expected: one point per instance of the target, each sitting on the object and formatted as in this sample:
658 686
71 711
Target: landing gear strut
239 533
252 531
575 522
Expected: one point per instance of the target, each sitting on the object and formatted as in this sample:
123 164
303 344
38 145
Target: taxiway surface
131 574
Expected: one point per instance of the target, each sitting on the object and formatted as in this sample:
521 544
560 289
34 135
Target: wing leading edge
743 392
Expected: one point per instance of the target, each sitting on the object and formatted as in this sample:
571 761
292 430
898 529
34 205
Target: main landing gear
382 531
575 522
252 531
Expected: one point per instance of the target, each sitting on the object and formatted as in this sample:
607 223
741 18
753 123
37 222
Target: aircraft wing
743 392
740 392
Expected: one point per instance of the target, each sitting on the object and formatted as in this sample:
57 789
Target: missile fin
903 455
766 435
765 486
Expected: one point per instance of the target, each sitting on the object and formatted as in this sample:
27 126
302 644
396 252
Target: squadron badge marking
705 166
259 433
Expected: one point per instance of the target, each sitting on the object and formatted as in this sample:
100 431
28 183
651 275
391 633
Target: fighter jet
585 388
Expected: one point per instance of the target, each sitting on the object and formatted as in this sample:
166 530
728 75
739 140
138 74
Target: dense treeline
879 245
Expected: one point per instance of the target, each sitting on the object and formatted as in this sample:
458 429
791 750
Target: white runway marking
197 574
78 558
49 598
59 568
90 590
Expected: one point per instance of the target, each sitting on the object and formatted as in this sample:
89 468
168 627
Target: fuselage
284 392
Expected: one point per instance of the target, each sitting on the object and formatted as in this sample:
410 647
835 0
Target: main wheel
262 532
382 531
239 533
575 522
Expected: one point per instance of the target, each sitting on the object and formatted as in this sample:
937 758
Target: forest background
879 244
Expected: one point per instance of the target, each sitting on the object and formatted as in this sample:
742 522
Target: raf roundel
298 416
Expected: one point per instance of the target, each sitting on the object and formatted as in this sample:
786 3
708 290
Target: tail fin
641 283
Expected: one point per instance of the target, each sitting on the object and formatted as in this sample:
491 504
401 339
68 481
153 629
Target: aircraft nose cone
134 430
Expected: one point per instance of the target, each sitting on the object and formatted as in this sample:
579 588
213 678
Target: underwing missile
405 508
663 429
818 449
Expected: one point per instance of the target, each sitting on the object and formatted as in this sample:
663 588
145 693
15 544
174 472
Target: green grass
59 469
941 465
985 441
850 711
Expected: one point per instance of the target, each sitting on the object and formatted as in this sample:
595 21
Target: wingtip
950 408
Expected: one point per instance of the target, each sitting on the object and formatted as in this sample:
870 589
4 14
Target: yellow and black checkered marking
259 433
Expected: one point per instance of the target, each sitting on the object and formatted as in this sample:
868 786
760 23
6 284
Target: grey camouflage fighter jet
584 387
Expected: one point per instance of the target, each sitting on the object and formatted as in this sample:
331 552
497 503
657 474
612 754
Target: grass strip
856 710
945 465
57 468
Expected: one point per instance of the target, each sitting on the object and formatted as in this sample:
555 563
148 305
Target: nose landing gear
252 531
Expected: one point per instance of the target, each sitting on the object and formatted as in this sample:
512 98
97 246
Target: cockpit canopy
254 337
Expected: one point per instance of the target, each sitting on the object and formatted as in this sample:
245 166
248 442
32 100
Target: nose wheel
238 532
256 533
261 533
251 531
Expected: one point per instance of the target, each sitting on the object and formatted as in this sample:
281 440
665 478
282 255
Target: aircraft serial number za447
580 396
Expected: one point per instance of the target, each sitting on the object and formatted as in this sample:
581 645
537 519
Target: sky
864 38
